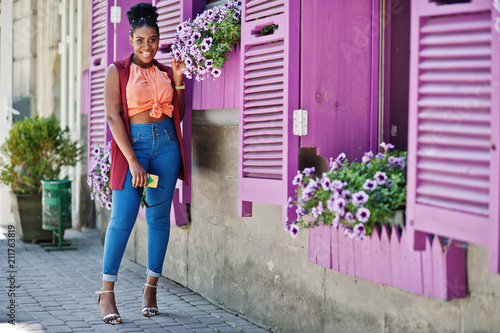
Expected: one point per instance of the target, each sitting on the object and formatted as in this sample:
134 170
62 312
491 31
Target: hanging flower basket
356 195
202 44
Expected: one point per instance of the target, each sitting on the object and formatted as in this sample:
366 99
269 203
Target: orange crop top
149 89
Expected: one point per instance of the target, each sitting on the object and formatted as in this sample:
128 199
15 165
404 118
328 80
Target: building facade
423 75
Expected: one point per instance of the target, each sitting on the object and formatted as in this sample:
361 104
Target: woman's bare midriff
145 118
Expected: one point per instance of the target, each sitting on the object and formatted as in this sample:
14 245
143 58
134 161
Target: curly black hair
142 14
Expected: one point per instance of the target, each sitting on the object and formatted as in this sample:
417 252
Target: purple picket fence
387 258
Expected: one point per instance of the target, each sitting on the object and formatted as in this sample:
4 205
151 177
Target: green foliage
36 149
268 30
225 35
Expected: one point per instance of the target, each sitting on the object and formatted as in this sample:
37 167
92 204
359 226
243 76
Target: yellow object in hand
153 180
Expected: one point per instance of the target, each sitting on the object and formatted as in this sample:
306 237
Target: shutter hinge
116 14
300 122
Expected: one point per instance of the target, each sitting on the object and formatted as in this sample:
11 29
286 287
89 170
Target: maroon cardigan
119 164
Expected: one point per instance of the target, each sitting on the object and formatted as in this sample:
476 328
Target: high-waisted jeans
157 149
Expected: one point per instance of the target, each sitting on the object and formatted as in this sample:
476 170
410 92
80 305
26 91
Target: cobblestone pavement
55 292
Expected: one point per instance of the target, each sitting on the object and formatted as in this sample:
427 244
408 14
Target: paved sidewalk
55 292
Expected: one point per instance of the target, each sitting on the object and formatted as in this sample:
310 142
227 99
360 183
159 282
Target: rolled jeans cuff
152 273
107 277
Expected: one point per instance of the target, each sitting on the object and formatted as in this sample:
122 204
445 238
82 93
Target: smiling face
145 41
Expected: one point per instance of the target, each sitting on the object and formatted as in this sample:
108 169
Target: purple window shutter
101 55
268 150
453 161
170 14
100 39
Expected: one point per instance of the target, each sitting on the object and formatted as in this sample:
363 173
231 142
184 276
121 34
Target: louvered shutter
268 150
102 53
453 163
101 38
170 14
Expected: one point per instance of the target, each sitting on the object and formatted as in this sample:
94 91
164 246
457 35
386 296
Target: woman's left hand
177 67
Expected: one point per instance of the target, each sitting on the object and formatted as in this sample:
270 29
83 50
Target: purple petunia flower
334 166
339 205
108 205
201 70
380 156
337 185
341 158
386 146
176 54
216 72
308 171
320 208
380 177
349 217
360 198
360 231
325 182
348 231
367 157
300 212
311 186
208 41
297 179
363 214
370 185
204 47
397 161
294 230
336 221
330 204
209 14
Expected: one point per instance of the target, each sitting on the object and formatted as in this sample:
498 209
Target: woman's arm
178 81
112 103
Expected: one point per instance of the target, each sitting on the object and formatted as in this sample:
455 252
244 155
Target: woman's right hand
139 175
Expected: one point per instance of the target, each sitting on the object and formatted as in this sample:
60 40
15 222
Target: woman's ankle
108 285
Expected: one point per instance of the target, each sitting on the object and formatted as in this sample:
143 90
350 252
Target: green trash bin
56 193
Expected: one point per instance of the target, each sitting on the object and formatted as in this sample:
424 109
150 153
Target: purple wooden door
453 163
339 72
268 149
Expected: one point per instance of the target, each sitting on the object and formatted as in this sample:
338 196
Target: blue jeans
157 149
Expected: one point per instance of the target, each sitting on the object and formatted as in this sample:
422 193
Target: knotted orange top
149 89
